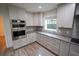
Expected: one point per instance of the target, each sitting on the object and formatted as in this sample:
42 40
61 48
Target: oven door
15 35
19 34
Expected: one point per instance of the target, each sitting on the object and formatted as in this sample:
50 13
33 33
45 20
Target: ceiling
33 7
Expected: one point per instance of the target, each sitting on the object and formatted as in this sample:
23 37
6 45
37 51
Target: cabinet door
13 12
31 37
74 50
50 43
65 15
16 13
21 14
36 21
38 38
34 37
29 19
59 16
64 49
19 43
41 39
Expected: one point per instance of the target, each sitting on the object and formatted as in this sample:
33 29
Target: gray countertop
66 39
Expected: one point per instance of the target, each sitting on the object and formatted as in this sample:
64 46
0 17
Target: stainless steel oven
19 34
18 29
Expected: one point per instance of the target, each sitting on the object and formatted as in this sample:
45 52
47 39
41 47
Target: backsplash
33 28
61 31
65 31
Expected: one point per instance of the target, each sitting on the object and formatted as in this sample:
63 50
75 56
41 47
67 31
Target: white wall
4 12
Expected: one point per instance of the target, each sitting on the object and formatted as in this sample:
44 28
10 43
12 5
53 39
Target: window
50 24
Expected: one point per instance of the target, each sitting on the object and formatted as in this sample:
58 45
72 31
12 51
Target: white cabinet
31 37
37 19
64 49
13 12
19 43
29 19
21 14
48 42
17 13
32 19
74 50
65 15
52 44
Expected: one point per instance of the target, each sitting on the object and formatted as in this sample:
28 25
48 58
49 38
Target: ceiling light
40 7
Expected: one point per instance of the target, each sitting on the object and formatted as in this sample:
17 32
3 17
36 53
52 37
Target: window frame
45 27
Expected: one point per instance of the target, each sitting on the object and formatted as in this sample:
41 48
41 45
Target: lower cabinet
24 41
74 50
57 46
64 48
19 43
31 37
50 43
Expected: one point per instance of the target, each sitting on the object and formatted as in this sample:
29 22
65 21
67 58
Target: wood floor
33 49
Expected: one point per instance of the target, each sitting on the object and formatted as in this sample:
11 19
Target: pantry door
2 36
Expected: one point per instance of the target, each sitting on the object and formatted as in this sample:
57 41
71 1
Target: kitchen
39 29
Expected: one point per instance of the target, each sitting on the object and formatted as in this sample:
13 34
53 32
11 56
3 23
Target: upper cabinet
13 12
29 19
21 14
37 19
16 13
65 15
32 19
